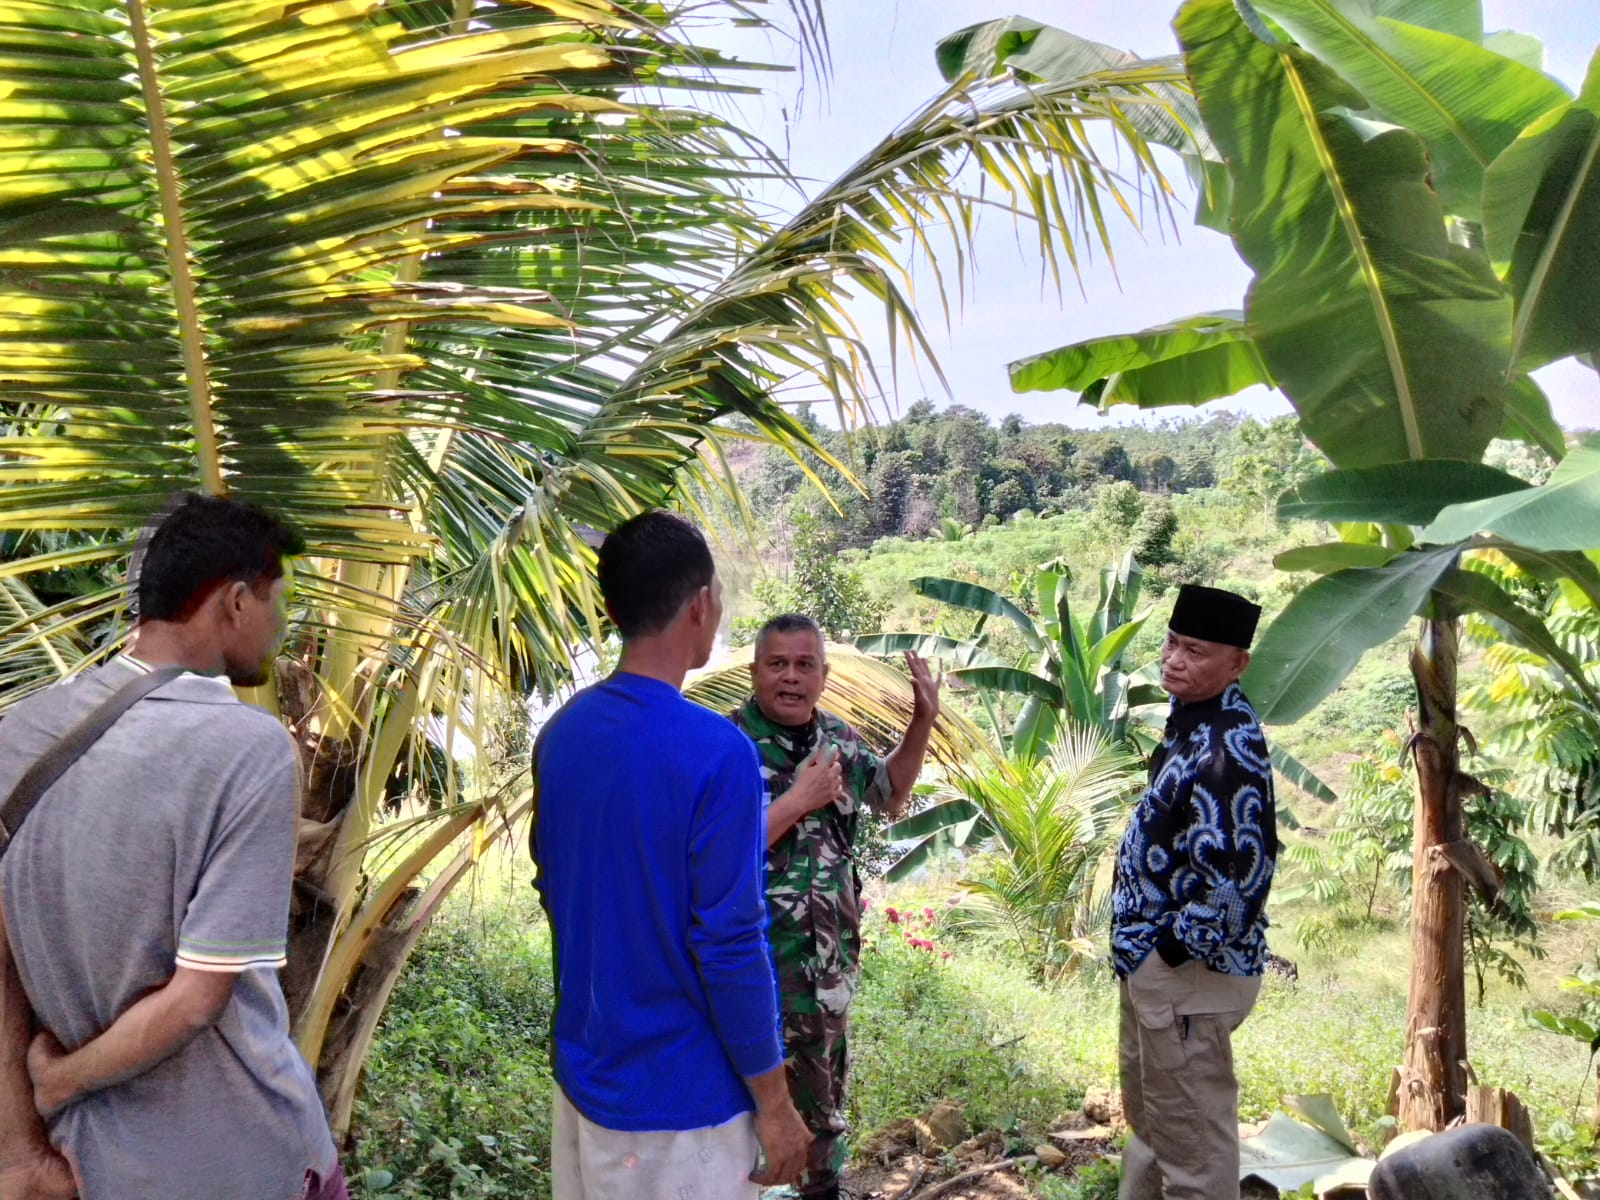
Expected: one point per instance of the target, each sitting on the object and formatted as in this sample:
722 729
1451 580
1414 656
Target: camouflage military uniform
814 898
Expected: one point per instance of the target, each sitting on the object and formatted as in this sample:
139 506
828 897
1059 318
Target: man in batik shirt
820 775
1189 909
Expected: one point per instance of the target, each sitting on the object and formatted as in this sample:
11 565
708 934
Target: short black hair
197 542
650 566
791 623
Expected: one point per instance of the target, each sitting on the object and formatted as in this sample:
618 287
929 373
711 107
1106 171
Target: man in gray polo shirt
145 904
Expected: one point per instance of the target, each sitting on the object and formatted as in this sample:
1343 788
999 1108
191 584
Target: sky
883 70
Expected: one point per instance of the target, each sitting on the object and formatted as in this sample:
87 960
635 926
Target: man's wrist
56 1088
770 1089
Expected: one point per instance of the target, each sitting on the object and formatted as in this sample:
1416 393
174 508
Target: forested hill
955 464
931 465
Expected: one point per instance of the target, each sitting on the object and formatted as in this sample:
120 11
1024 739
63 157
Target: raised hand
924 688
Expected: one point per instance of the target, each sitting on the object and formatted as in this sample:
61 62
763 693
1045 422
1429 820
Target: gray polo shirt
171 841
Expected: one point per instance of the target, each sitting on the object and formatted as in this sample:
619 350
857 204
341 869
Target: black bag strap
53 763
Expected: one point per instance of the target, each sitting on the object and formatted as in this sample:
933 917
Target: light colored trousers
1179 1093
594 1163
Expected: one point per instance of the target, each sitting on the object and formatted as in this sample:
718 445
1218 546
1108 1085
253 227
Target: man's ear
230 597
1244 662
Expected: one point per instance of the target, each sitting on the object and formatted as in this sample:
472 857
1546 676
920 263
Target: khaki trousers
1179 1093
591 1162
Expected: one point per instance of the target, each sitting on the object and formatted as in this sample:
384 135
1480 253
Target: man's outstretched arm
29 1168
905 760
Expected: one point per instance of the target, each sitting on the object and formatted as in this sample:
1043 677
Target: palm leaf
1542 222
1349 249
1466 101
1182 363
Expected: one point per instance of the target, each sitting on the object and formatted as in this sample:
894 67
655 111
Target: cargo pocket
1152 990
1161 1037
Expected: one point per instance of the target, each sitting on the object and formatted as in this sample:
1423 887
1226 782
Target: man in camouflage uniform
819 775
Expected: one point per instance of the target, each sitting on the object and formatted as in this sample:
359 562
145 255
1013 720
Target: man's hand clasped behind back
45 1176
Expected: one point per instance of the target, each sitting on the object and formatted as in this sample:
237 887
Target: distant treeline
955 465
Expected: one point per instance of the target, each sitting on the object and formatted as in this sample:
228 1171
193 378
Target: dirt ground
921 1158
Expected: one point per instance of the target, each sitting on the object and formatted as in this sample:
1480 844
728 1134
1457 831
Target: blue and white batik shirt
1195 866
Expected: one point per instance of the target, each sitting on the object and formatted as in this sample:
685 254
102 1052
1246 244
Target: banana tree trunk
1433 1082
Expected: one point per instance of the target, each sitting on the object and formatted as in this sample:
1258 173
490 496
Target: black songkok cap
1213 615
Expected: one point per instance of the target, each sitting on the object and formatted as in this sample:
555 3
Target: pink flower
946 954
894 917
928 912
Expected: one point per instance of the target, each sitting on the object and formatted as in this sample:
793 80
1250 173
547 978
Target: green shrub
1093 1181
456 1099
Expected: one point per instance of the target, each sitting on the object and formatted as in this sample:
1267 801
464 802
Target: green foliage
1365 861
819 585
1093 1181
931 467
457 1096
1272 458
1116 509
1069 670
1212 354
1347 870
1368 705
1494 822
462 1052
1048 825
1546 729
1584 983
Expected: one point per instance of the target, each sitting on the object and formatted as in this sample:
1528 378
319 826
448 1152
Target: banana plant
1417 204
1068 670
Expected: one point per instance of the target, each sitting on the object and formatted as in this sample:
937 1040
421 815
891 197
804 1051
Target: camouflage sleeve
878 790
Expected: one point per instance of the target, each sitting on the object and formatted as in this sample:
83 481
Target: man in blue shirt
1189 909
650 844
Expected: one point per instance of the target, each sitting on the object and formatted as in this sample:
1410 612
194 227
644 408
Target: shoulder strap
53 763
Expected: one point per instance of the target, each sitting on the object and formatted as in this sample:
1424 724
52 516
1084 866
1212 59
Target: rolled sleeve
238 917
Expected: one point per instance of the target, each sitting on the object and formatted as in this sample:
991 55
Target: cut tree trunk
1496 1106
1433 1082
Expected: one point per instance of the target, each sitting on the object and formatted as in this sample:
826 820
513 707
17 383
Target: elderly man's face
1193 669
788 674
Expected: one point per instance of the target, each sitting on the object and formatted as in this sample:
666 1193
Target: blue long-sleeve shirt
1195 867
651 847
